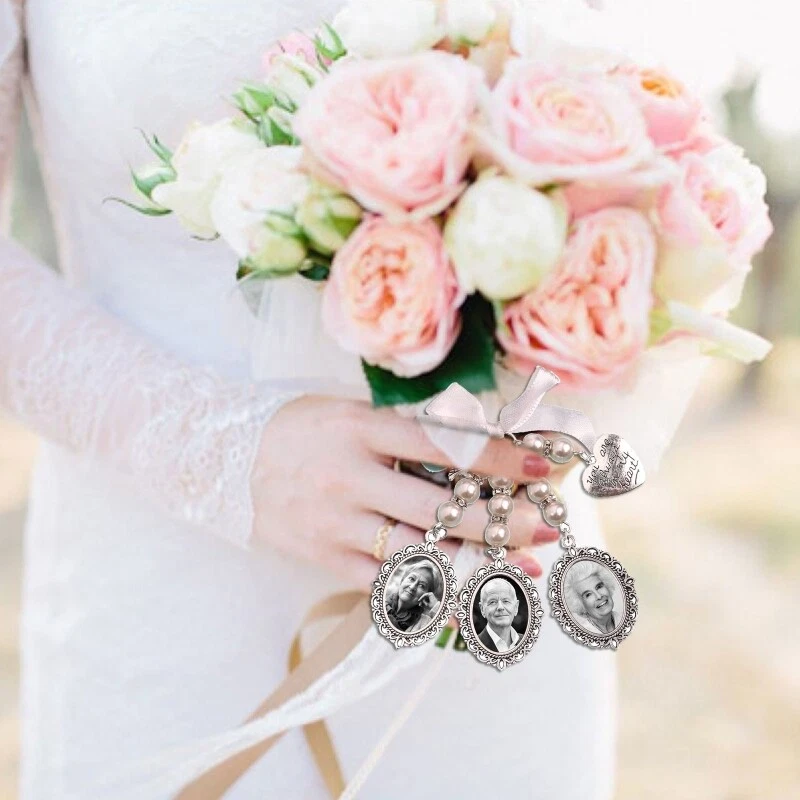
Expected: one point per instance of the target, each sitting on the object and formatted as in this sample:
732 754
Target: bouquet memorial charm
591 594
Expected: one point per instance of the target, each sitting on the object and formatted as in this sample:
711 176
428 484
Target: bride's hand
324 483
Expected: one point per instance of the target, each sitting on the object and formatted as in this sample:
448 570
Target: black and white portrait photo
594 597
413 594
500 614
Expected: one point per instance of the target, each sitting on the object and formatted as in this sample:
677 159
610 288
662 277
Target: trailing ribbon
457 408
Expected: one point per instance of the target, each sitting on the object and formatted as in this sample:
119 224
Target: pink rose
393 133
392 296
713 220
550 126
296 44
672 114
586 198
588 320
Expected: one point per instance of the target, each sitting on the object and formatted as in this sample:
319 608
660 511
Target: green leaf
149 211
333 49
244 103
253 99
271 133
163 153
146 183
317 271
470 363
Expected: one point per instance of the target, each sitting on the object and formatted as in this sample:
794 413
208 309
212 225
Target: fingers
544 534
356 569
364 532
357 564
388 434
414 501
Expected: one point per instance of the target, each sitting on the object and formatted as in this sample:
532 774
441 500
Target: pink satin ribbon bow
455 407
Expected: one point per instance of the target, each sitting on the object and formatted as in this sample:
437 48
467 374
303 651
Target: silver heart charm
616 468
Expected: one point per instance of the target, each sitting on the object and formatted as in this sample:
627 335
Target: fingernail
535 466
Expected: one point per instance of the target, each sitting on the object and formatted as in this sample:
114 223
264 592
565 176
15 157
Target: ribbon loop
455 407
517 415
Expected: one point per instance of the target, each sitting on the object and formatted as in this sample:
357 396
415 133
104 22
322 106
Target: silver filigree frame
447 606
499 567
560 610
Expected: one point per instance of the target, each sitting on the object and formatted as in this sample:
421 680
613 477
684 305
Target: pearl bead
500 505
497 534
561 451
555 513
449 514
538 490
497 482
535 442
467 490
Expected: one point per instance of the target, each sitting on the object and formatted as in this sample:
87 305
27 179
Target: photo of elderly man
594 597
498 604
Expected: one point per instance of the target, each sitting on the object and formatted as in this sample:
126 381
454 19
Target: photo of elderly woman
594 597
500 615
413 594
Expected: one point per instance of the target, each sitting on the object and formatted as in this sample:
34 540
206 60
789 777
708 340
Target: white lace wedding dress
152 625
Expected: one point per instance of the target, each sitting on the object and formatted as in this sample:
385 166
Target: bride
183 519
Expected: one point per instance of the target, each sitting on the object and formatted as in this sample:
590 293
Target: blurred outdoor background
710 685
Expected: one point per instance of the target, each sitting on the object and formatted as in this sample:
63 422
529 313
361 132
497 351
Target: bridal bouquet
477 183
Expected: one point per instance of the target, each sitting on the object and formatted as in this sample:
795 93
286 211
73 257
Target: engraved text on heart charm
617 468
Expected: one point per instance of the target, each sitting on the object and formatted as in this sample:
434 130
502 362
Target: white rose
504 237
469 21
254 208
198 161
383 29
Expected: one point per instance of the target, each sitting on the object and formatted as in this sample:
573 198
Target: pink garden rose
712 219
551 126
672 114
392 296
588 320
393 133
636 190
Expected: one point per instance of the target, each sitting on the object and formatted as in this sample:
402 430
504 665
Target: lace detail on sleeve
80 377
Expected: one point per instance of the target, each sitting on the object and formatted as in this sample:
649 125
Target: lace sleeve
80 377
